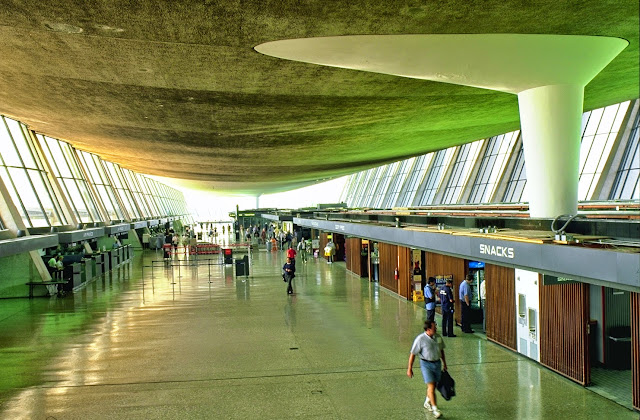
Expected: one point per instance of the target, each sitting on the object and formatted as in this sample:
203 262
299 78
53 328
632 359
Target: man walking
289 273
465 303
429 347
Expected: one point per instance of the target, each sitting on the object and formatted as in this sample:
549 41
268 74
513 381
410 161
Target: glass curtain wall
414 179
66 169
362 186
492 166
155 194
467 155
139 197
97 176
119 183
383 184
23 173
626 185
600 130
397 182
517 183
151 201
436 174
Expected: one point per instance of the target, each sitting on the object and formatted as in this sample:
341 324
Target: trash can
619 356
228 256
242 266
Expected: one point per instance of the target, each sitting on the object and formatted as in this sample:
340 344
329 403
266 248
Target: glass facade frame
435 176
25 177
66 168
626 185
492 166
467 155
98 178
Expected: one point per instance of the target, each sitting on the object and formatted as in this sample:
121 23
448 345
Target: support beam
550 118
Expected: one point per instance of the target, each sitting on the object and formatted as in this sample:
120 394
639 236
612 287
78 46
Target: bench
33 284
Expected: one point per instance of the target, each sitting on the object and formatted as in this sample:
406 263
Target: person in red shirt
291 253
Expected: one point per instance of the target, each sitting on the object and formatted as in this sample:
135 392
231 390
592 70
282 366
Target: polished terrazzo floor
199 343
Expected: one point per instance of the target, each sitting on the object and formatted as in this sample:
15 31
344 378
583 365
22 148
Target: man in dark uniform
446 299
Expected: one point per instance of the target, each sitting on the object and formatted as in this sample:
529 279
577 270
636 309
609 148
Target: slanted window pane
21 144
4 174
29 191
595 149
28 197
414 179
517 180
8 150
76 199
42 189
436 173
461 170
626 185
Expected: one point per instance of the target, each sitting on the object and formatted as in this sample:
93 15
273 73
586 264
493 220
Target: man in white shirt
429 347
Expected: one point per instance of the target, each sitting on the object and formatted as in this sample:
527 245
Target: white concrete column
550 119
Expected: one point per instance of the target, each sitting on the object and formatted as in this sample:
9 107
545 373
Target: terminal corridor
193 341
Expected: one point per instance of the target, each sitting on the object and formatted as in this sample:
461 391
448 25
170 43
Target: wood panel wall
339 241
443 265
564 342
353 247
404 272
323 243
501 310
635 348
388 264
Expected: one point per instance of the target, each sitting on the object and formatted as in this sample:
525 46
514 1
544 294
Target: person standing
329 251
430 298
465 303
447 301
291 255
429 347
289 273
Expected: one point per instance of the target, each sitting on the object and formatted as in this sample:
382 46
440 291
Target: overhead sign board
80 235
548 280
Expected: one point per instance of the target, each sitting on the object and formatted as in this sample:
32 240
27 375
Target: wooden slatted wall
500 310
339 241
354 260
388 264
564 342
635 348
404 272
323 243
443 265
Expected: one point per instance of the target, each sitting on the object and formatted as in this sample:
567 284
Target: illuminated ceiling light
63 27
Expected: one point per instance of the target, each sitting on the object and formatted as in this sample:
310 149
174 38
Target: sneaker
427 406
452 335
437 414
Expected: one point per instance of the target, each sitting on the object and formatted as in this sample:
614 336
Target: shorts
431 371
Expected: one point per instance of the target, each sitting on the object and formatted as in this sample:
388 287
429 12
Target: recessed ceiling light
63 27
107 28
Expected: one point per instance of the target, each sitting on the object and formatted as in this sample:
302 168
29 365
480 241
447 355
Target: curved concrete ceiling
175 89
